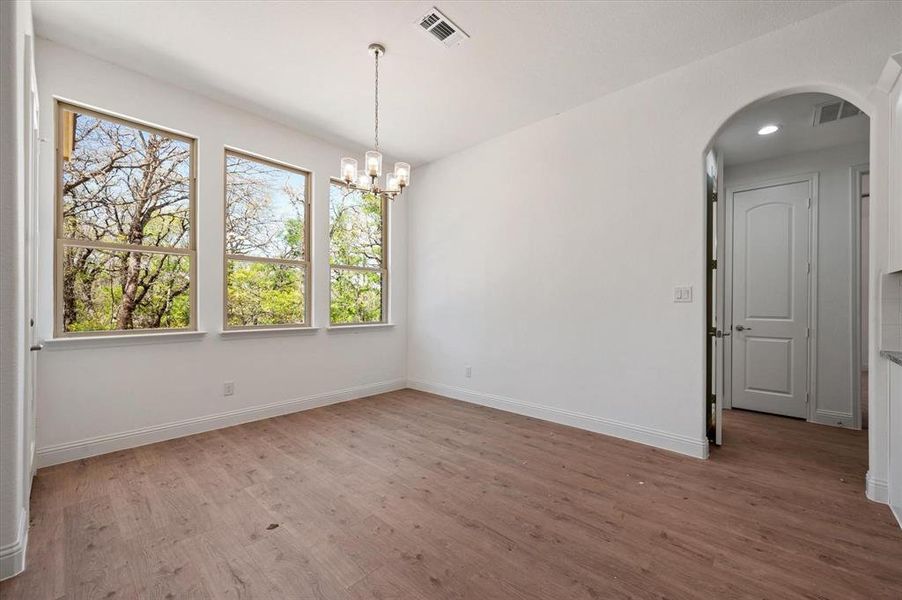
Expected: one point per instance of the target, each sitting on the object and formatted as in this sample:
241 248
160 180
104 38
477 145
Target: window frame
306 263
384 270
60 243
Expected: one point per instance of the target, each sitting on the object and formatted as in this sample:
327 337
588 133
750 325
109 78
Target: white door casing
33 146
771 229
720 341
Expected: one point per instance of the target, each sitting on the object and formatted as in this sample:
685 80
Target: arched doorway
787 193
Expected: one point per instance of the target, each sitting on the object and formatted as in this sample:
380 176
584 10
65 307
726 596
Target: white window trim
60 243
306 263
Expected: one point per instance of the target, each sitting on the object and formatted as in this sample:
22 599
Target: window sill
114 341
254 332
358 327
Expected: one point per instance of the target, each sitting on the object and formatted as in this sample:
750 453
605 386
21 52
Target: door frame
727 299
855 173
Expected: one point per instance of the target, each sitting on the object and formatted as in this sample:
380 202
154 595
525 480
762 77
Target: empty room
450 299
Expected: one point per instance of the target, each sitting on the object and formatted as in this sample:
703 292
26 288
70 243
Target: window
267 248
125 254
358 237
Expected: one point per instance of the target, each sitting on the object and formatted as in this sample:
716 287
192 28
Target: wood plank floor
411 495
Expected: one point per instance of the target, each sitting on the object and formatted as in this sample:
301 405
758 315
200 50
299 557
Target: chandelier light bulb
374 163
392 183
402 172
349 169
364 181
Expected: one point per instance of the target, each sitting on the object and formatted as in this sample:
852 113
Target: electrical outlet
228 388
468 371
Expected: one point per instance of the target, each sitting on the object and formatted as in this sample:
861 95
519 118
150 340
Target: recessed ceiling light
769 129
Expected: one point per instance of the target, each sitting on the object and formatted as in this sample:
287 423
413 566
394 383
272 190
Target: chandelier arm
391 194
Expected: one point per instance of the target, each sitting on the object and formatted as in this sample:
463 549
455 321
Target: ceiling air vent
442 28
834 111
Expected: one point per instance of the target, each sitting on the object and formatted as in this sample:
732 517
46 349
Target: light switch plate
682 293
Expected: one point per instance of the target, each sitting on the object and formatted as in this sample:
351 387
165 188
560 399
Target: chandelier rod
377 53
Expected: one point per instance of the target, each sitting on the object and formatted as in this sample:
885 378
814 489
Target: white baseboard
876 489
69 451
897 512
696 448
12 555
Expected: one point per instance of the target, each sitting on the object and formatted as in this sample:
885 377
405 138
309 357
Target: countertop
892 355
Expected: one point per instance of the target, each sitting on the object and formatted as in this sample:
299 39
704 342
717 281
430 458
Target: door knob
37 347
741 328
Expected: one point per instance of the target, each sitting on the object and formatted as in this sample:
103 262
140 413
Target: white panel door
770 298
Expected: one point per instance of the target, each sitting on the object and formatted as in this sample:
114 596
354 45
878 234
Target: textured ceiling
305 63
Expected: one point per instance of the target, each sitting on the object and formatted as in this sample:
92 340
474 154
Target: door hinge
808 332
713 263
809 202
807 397
809 266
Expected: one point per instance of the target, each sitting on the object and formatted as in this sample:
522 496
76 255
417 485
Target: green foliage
95 277
355 229
264 293
356 296
293 233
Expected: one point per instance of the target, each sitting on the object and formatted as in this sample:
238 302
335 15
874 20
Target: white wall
98 398
15 25
834 337
546 258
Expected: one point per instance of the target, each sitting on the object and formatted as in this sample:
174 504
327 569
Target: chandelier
367 179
